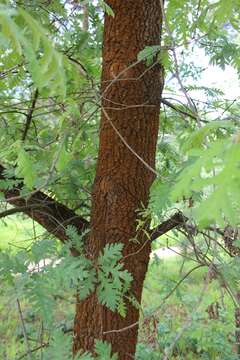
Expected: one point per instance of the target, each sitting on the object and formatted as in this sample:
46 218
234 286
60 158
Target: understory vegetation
172 301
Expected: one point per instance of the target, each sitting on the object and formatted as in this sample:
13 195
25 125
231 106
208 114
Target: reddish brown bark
122 182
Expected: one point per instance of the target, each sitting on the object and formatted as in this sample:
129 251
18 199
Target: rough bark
131 103
48 212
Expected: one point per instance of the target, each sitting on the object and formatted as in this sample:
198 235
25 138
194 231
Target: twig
126 143
177 72
30 115
181 280
28 353
169 349
165 298
45 183
33 350
85 17
122 329
174 107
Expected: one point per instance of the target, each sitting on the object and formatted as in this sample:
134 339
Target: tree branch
174 221
20 209
176 108
30 115
24 330
49 213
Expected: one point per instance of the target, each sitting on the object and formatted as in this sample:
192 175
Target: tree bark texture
130 101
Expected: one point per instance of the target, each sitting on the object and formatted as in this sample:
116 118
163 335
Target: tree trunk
131 103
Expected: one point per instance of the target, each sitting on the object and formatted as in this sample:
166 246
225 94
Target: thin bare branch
24 330
30 115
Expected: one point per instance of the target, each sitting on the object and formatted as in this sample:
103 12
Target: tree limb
49 213
19 209
176 108
173 222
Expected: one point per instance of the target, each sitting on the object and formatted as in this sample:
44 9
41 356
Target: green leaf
60 347
106 8
104 351
113 280
148 53
25 168
63 160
